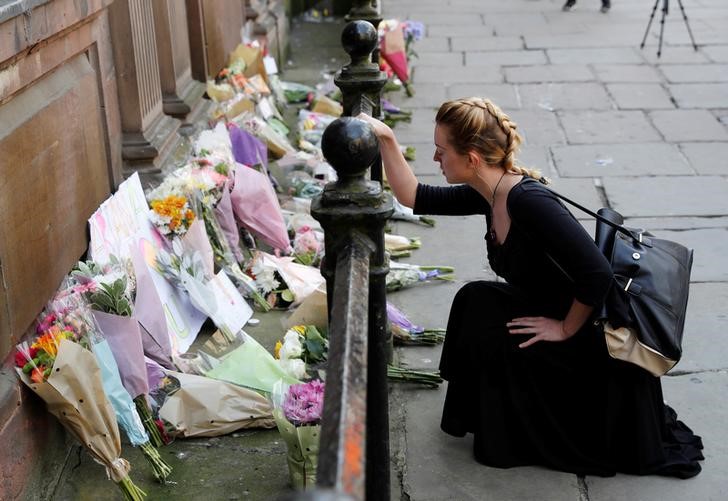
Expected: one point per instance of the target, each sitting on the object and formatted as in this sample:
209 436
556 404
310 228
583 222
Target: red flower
20 360
37 375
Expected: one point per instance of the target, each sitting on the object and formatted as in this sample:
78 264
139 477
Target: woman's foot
568 5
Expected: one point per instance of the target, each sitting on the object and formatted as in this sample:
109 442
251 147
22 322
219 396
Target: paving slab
423 165
696 398
581 191
474 30
691 73
447 60
577 41
442 467
640 73
635 96
688 125
427 95
504 58
505 96
711 247
606 160
626 55
486 43
700 95
420 130
677 223
538 127
707 158
537 157
565 96
672 55
588 127
468 74
668 195
703 344
549 73
716 53
430 44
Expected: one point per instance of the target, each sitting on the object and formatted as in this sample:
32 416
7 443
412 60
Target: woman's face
454 166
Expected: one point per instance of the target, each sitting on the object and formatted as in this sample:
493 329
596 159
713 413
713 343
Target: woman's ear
474 160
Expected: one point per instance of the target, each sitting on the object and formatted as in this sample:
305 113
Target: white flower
294 367
264 276
291 348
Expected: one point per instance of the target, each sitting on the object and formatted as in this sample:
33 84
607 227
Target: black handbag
644 313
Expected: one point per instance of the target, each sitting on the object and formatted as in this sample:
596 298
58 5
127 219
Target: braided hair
476 124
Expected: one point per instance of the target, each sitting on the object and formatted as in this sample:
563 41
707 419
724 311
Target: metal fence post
350 205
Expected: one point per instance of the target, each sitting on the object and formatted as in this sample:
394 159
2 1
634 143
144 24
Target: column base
147 150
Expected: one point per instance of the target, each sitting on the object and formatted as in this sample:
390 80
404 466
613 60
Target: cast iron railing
354 444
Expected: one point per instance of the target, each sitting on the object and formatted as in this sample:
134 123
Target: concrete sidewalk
610 123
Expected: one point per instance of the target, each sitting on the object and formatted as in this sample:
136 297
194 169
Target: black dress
565 405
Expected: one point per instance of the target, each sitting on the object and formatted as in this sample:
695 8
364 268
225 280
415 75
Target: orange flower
37 374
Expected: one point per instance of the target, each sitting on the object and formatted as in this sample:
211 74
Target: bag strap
630 233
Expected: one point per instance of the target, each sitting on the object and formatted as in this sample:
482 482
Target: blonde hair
476 124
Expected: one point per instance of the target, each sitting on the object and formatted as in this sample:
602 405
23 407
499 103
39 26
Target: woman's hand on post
542 328
382 130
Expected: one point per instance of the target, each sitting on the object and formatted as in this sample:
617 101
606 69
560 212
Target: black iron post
354 207
361 77
366 10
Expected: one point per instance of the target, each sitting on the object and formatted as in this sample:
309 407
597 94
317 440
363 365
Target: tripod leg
662 28
685 18
652 16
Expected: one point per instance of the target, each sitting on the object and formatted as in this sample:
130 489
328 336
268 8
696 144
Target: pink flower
306 241
304 403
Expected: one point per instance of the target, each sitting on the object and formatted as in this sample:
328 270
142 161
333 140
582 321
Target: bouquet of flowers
399 246
403 213
281 281
402 275
111 297
71 308
297 410
302 345
406 333
60 369
308 246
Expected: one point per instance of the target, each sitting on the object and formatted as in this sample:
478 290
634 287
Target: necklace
492 200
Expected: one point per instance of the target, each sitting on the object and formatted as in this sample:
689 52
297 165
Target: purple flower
399 319
414 29
304 403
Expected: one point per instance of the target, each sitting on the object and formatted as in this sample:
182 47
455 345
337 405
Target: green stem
130 490
145 414
159 466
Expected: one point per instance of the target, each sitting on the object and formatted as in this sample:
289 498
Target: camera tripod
665 11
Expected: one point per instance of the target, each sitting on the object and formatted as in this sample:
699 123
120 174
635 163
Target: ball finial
350 146
359 39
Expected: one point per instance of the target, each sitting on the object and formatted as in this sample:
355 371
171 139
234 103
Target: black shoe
568 5
606 4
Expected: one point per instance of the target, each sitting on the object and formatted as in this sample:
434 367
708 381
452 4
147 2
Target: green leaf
287 296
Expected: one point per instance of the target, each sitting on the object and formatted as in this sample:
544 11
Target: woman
528 372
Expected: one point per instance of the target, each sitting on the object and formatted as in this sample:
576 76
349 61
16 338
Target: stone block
627 73
432 44
582 191
427 95
448 61
488 43
587 127
705 327
707 158
420 130
501 94
624 55
716 53
607 160
688 125
467 74
700 95
538 127
549 73
564 96
711 246
453 20
635 96
695 398
505 58
668 196
695 73
465 30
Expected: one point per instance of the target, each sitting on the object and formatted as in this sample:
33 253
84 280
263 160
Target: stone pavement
609 123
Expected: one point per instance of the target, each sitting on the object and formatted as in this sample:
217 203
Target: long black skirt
566 405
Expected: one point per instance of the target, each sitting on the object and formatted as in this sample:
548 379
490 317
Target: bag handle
637 236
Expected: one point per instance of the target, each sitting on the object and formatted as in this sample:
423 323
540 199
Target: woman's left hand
542 328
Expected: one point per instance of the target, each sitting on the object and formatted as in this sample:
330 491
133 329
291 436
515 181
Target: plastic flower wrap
308 246
297 410
406 333
402 275
403 213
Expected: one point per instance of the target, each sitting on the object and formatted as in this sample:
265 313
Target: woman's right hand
382 130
